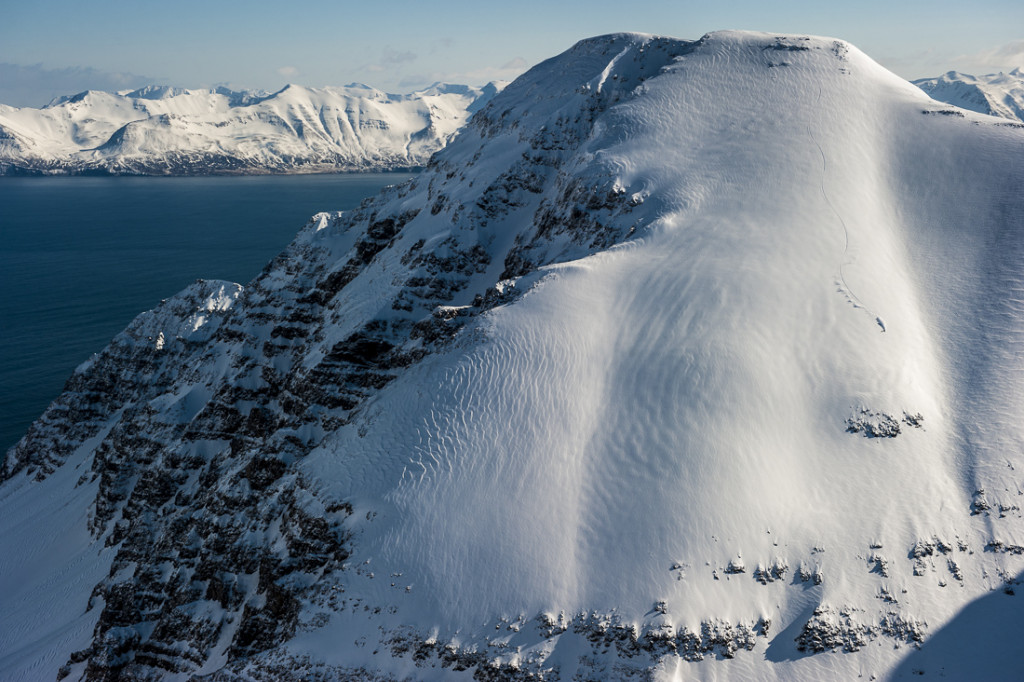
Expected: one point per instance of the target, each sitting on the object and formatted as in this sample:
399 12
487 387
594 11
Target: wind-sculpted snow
684 359
171 131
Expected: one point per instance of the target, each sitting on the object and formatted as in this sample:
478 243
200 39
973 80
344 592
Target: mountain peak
155 92
680 352
73 99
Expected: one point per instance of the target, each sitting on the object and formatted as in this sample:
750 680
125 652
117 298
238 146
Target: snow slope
685 360
998 94
161 130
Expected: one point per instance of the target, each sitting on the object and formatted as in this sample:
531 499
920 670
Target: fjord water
81 256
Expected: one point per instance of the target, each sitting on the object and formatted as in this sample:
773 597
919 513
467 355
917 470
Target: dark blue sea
80 257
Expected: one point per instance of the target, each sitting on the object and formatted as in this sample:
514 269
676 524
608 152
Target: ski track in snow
845 288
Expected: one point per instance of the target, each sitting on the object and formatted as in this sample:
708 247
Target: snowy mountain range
685 359
998 94
170 131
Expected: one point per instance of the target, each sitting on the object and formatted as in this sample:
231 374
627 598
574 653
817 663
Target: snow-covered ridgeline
160 130
998 94
681 352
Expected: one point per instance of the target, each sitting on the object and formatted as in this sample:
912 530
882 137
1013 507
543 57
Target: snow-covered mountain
997 94
162 130
686 359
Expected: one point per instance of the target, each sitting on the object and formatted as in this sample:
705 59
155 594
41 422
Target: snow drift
684 358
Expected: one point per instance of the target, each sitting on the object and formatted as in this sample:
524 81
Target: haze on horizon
59 47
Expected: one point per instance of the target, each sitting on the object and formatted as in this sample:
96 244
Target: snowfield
171 131
684 360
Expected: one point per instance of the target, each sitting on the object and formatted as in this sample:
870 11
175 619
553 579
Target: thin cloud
416 80
912 65
391 56
931 62
288 71
1002 58
441 44
390 59
508 71
517 64
33 85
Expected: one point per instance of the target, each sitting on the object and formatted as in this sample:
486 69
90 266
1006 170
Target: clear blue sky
54 47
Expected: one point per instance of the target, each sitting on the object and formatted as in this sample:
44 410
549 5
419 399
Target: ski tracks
844 287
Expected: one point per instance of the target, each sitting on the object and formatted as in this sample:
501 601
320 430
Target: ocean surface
80 257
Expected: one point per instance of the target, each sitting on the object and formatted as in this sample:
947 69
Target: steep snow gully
580 401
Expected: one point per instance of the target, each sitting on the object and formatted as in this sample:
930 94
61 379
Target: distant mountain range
998 94
160 130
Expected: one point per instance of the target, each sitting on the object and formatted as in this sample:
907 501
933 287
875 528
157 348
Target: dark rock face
634 650
195 497
881 425
831 629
